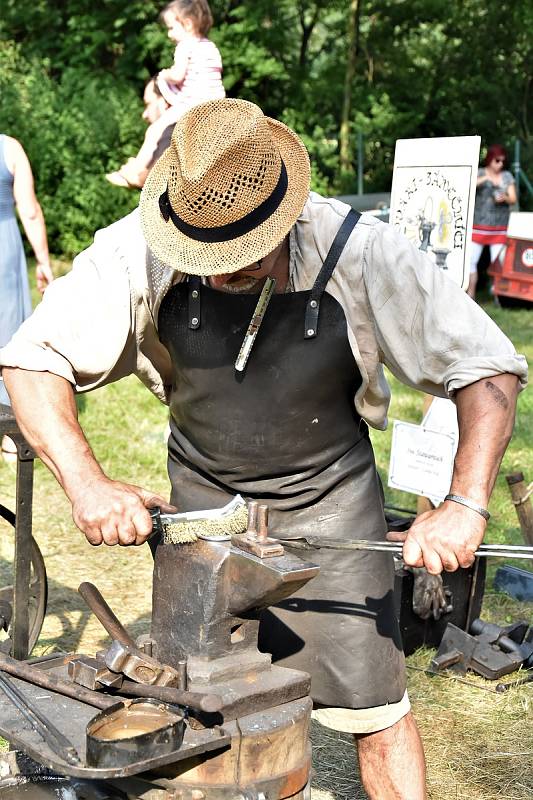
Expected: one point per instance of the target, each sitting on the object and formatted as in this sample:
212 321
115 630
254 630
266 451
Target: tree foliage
72 73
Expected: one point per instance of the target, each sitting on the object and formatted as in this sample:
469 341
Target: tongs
56 741
484 550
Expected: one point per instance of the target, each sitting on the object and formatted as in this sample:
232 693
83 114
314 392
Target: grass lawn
479 744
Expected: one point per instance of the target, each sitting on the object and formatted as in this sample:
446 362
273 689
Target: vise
248 740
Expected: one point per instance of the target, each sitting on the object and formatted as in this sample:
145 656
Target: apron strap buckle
330 262
194 302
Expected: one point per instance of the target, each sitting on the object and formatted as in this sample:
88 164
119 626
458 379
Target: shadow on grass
335 772
72 616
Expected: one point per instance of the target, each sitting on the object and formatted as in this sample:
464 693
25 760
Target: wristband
464 501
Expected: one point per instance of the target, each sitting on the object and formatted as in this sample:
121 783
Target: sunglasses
499 160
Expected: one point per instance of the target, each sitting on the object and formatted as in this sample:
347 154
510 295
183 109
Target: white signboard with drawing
432 199
421 460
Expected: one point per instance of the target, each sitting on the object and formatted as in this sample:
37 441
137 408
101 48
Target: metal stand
23 537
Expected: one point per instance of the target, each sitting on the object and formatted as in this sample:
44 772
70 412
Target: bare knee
388 737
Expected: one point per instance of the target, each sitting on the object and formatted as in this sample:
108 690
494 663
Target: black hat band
225 233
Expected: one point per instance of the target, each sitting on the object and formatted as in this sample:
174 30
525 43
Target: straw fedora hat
227 190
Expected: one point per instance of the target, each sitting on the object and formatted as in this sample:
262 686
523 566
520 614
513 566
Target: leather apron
285 432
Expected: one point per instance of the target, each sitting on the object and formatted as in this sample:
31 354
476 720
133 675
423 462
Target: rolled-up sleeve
431 335
82 330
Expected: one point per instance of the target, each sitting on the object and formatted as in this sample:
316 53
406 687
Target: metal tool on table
43 726
52 683
208 702
124 659
141 668
92 673
395 548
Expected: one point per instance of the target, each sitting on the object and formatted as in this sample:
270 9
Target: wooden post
522 503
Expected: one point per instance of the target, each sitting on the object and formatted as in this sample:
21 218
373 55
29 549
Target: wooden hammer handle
104 615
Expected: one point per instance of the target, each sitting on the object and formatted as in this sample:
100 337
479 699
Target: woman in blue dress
17 191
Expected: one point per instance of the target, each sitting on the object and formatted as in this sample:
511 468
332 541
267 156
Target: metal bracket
256 540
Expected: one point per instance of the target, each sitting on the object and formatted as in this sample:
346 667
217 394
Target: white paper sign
421 460
432 199
441 416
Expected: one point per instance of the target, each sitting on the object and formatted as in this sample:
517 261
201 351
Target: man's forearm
46 412
486 411
104 510
448 536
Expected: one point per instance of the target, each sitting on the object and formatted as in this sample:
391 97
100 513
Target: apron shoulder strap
330 262
194 302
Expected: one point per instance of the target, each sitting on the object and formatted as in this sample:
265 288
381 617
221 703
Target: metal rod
104 614
511 547
38 677
182 669
485 550
46 729
210 703
503 687
450 677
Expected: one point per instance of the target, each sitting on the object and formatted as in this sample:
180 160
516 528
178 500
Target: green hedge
74 131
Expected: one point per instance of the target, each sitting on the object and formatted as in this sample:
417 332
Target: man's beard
244 285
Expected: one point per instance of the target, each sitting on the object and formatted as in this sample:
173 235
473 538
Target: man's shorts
363 720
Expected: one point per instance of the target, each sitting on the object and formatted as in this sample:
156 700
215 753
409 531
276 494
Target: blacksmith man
168 292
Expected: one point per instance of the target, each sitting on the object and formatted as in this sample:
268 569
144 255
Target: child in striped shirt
196 75
194 78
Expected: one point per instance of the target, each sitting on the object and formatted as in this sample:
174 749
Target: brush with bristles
217 524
